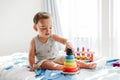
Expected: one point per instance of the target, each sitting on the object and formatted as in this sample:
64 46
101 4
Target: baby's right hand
31 70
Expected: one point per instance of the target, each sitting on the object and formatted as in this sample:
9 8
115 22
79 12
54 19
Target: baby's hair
41 15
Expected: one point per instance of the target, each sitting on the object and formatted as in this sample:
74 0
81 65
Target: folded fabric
54 75
9 67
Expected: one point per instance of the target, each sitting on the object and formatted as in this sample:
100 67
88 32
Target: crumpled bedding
15 67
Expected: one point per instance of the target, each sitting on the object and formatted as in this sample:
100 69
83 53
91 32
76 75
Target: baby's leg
51 65
60 59
86 65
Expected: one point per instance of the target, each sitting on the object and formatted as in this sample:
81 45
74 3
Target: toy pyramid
70 66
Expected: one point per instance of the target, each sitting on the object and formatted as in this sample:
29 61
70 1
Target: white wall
16 21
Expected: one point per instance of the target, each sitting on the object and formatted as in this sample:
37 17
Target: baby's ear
35 27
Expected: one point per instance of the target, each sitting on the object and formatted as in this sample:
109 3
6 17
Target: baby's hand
31 70
69 45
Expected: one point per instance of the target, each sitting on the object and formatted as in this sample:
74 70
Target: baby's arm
64 41
59 39
31 55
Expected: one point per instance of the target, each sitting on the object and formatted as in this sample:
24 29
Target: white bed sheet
15 67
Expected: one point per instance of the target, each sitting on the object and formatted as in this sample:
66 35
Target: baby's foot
92 65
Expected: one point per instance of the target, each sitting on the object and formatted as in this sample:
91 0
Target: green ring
69 60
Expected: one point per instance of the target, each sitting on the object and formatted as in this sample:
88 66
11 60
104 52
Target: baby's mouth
47 34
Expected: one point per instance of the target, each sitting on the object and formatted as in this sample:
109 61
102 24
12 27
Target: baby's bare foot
92 65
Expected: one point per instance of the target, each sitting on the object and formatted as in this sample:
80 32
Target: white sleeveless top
46 50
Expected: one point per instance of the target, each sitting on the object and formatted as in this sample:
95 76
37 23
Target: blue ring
69 57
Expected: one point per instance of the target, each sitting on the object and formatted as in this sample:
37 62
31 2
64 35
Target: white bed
15 67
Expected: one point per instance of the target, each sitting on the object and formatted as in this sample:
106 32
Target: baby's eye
50 27
45 28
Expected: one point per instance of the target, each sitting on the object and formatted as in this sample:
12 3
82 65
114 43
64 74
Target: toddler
42 52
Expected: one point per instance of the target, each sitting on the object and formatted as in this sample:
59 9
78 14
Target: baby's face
44 27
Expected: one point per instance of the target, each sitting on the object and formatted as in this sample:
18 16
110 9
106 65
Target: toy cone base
70 72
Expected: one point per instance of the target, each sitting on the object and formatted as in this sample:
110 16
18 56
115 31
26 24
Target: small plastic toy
112 62
84 55
116 64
